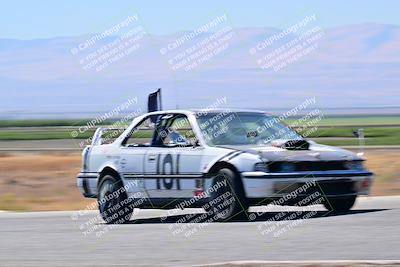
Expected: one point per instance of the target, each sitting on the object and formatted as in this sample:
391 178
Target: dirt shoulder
40 181
46 181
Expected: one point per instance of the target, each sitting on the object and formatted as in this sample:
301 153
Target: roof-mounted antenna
176 98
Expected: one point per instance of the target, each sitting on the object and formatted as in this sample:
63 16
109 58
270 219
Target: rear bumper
87 183
327 183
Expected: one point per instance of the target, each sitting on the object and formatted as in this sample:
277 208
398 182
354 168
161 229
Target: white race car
221 160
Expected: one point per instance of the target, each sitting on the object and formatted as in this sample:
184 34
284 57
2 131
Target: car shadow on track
251 217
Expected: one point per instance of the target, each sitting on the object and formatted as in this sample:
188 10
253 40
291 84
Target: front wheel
227 199
114 204
340 204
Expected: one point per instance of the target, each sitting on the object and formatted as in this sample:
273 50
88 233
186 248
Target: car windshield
243 128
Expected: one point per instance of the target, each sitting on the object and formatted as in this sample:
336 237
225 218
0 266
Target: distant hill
353 66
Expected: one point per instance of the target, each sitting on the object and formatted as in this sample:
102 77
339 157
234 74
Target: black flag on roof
154 103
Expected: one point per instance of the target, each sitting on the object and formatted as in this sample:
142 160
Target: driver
175 138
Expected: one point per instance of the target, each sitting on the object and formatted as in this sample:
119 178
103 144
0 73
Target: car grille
301 166
334 187
325 187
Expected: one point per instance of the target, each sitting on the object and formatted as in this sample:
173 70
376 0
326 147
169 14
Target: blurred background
69 67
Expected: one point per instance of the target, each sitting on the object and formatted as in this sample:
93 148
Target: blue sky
52 18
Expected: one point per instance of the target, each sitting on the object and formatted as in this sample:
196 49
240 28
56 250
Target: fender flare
111 171
224 164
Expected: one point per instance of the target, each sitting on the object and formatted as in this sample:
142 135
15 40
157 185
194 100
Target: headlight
287 167
261 167
355 165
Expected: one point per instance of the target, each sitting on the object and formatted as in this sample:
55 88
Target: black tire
114 205
340 204
228 201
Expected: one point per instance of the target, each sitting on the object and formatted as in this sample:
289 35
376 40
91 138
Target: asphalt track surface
371 231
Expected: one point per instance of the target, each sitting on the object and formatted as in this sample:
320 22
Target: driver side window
178 132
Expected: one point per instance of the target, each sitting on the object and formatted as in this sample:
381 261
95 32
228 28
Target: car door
133 150
172 165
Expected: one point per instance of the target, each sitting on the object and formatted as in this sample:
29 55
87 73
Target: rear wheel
340 204
227 200
114 205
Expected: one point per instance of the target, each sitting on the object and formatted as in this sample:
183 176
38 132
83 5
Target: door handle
152 157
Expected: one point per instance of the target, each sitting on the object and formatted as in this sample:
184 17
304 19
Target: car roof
205 111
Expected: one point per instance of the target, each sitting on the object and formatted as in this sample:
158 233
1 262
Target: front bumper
87 183
328 183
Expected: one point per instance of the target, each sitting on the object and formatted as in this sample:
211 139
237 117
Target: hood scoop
291 144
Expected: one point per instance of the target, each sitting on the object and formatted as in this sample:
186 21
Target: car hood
316 152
